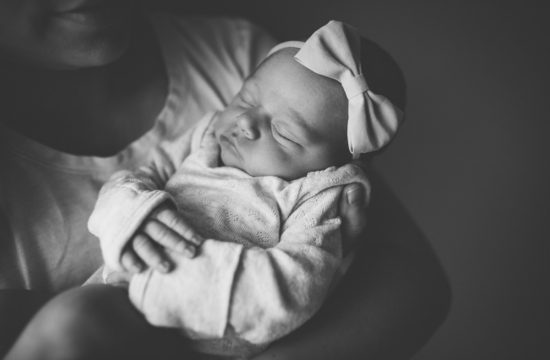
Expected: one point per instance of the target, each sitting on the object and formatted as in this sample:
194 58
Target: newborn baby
260 187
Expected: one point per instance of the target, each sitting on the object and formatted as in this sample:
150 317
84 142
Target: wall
471 161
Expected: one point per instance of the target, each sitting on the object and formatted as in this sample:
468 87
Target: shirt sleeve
257 294
123 204
208 59
127 198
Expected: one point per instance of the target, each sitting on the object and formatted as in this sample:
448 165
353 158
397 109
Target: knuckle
140 242
199 240
187 234
129 262
147 251
159 211
126 259
154 259
155 229
183 245
163 214
149 226
161 233
171 219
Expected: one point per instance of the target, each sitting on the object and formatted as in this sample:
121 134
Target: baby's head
285 121
296 114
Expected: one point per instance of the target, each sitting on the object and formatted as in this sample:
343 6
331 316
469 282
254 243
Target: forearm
389 304
261 294
17 307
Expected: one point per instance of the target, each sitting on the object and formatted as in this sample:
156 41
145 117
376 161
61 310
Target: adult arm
393 298
17 307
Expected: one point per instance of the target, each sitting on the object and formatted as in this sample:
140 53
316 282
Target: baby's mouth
229 143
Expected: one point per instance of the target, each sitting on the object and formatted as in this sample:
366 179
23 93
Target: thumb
353 211
355 195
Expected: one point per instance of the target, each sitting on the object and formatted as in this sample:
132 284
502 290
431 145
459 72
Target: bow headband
334 51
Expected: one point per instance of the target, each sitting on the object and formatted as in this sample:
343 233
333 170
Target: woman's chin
77 40
97 55
94 49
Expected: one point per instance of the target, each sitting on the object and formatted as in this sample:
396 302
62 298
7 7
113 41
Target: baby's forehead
291 87
278 62
282 70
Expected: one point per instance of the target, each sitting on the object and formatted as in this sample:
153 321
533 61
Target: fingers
131 262
164 229
166 237
353 210
118 278
172 220
150 254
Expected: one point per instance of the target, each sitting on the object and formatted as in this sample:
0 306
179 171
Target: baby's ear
383 74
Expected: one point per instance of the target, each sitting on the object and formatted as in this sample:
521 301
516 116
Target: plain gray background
470 163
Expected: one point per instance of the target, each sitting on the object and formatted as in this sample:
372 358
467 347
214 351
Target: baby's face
286 121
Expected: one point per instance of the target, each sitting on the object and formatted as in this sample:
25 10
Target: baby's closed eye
282 134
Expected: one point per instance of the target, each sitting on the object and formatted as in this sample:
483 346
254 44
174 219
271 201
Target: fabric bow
334 51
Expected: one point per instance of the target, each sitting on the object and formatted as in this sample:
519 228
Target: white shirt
46 196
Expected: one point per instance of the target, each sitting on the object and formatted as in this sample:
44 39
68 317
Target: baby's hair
384 77
383 74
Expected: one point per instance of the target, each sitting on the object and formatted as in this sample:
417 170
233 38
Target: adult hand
389 303
353 212
163 229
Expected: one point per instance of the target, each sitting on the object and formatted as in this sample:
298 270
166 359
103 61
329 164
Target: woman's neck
74 110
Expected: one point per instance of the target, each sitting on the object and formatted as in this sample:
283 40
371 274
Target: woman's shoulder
225 37
207 59
208 25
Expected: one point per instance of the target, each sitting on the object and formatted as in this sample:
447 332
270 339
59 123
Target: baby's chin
227 159
221 160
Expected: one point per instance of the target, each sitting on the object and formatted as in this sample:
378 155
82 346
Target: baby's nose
246 125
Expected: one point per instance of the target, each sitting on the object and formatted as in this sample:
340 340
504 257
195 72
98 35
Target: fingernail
181 247
190 251
165 266
355 195
139 267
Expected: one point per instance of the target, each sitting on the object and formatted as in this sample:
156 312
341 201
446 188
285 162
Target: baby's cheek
262 161
290 165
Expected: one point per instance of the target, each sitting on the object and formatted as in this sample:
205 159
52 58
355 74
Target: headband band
334 51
